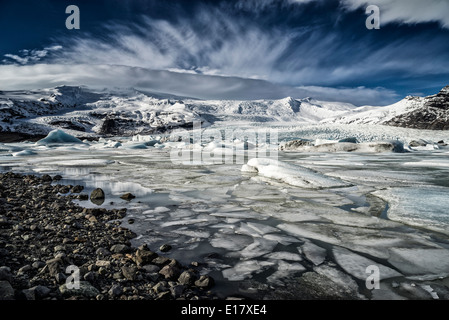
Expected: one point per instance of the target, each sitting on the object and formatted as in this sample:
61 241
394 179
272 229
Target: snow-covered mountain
430 112
123 112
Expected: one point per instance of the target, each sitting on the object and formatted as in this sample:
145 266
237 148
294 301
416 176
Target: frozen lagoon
259 235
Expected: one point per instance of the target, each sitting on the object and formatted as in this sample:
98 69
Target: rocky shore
53 249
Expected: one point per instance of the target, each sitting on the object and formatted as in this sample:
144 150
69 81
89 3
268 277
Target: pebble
42 233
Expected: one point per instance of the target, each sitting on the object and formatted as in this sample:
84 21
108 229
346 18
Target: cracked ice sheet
200 220
245 269
314 253
258 248
423 206
296 213
374 178
356 265
283 255
337 276
375 242
230 241
420 261
255 229
284 270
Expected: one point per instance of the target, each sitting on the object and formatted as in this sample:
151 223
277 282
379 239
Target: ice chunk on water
284 255
244 270
291 174
156 210
193 233
230 241
24 153
58 136
344 281
310 231
424 261
81 163
256 229
313 253
282 239
284 270
258 248
357 265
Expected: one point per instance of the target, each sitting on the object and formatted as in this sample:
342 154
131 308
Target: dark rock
37 292
83 197
120 248
4 221
5 274
89 277
54 266
77 189
187 278
177 290
24 269
170 272
164 295
165 248
129 273
6 290
115 291
160 287
128 196
102 252
161 261
38 264
60 277
97 196
150 268
46 178
205 282
144 256
85 290
57 177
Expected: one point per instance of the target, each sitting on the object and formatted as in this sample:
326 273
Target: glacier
319 210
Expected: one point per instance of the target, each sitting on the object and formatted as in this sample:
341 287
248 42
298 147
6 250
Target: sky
234 49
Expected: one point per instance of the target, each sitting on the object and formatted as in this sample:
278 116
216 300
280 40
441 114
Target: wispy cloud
407 11
306 52
26 56
182 84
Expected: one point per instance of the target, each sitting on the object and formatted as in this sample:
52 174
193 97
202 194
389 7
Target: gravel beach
54 249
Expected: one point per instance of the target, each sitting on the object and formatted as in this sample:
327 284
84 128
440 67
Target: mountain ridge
127 111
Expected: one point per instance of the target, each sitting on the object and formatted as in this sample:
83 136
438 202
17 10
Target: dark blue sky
297 47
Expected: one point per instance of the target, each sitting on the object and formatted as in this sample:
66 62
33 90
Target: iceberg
58 136
344 145
291 174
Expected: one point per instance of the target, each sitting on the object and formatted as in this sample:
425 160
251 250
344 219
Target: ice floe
245 269
291 174
356 265
420 261
313 253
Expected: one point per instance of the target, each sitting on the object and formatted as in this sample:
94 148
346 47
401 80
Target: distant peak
445 90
